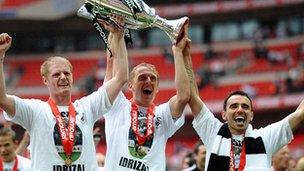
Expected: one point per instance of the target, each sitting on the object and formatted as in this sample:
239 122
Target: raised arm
109 66
195 101
120 61
6 103
180 100
25 142
297 117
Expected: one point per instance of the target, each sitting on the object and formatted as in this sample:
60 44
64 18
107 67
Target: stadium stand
16 4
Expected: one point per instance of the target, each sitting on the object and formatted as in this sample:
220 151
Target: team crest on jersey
158 122
136 150
77 149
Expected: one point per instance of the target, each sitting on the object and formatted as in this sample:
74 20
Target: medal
242 160
141 139
68 161
67 135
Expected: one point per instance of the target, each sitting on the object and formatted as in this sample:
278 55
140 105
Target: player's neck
62 100
143 104
236 132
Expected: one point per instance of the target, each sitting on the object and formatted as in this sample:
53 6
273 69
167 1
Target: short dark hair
190 156
8 132
238 92
197 146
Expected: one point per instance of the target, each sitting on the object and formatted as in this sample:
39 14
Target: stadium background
253 45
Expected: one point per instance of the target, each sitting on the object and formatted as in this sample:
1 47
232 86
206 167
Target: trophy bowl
136 13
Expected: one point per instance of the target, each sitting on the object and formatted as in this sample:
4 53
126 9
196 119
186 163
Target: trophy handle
173 28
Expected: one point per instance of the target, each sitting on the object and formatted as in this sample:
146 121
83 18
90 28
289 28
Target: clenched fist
5 43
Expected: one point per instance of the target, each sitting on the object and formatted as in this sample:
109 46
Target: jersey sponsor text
73 167
133 164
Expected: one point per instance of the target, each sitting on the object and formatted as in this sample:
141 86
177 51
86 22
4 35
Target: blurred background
252 45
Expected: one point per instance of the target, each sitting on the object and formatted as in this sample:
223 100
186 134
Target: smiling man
137 130
9 160
235 145
61 131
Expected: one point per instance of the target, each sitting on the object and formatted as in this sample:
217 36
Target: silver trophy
137 14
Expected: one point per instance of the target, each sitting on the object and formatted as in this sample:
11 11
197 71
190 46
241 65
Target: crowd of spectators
219 64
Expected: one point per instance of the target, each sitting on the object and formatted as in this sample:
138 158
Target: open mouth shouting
147 91
240 120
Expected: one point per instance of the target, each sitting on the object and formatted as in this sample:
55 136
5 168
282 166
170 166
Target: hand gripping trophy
137 14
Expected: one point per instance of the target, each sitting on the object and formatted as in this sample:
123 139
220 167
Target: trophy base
180 35
173 28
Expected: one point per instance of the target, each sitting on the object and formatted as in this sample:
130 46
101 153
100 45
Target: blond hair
149 66
44 69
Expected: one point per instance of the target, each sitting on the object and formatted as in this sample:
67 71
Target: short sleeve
171 124
206 126
276 135
98 103
25 111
